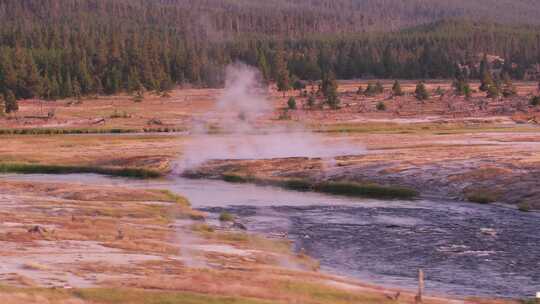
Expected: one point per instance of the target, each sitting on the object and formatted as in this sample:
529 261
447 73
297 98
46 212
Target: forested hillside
63 48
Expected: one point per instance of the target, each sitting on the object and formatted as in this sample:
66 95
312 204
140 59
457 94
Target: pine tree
67 87
133 80
379 89
54 89
486 76
311 101
139 93
11 104
396 89
421 92
291 103
493 92
85 77
508 89
484 66
462 88
76 90
298 84
262 64
2 106
9 80
535 101
281 71
32 80
370 90
329 88
165 88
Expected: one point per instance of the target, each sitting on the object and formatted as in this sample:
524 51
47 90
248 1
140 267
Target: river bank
380 242
74 243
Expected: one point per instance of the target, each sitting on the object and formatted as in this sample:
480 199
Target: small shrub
234 178
396 89
381 106
509 91
62 169
203 228
139 96
374 89
118 114
366 190
299 85
482 197
535 101
440 91
284 115
226 217
493 92
311 101
524 207
462 88
379 87
421 92
298 184
291 103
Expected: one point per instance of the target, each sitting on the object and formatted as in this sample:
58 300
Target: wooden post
418 298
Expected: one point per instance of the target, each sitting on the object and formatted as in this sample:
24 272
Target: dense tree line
68 48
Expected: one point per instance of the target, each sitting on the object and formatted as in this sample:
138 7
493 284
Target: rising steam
238 115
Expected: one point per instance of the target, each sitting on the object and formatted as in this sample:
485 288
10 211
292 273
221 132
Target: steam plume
238 115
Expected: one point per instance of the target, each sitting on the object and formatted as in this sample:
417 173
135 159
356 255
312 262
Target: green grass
22 168
235 178
129 295
338 188
366 190
298 185
482 197
302 291
420 128
325 294
226 217
46 131
113 296
524 207
173 197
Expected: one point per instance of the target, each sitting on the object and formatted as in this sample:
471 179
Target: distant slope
300 16
219 18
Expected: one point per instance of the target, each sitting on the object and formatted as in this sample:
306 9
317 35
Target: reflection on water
465 249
